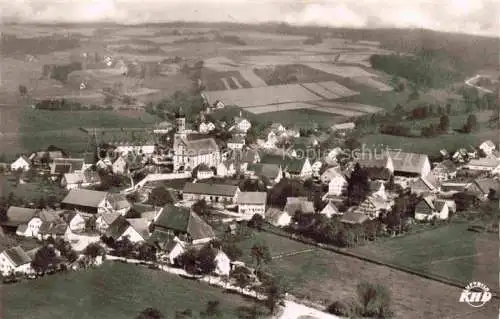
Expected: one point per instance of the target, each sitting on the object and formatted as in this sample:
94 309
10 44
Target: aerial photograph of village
239 159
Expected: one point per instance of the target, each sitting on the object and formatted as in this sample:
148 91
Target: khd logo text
476 294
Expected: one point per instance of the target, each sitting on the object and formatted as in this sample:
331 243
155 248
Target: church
191 150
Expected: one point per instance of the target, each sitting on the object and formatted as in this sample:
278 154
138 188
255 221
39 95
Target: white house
343 127
133 229
15 260
206 127
222 264
215 193
21 163
251 203
429 208
75 221
119 166
330 210
271 172
300 168
331 157
487 147
278 217
125 149
236 143
337 185
316 167
56 229
77 180
484 164
33 226
226 168
242 124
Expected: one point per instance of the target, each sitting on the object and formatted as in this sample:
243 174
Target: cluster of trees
231 39
127 249
427 68
60 72
48 201
64 105
11 44
278 75
191 104
373 301
316 39
471 124
198 262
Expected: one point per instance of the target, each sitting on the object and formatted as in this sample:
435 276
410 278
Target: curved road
472 83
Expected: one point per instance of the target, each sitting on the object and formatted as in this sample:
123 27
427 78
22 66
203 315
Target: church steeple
180 121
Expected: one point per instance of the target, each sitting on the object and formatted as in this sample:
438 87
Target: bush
339 308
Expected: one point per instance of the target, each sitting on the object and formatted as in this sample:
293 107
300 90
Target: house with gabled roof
278 217
202 171
330 210
61 166
368 160
241 124
271 172
487 147
343 127
293 167
103 221
21 163
119 203
136 230
15 260
17 216
73 219
33 226
298 204
445 170
337 183
119 166
482 187
215 193
226 168
88 201
410 164
206 127
54 229
425 185
251 203
429 208
353 217
45 157
236 142
76 180
184 224
484 164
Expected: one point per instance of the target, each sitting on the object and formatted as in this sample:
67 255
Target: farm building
21 163
216 193
429 208
88 201
15 260
251 203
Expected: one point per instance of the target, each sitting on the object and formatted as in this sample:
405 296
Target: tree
471 124
205 259
274 292
444 123
375 300
212 309
242 277
188 261
150 313
232 250
260 254
358 186
94 250
108 99
160 196
338 308
91 223
23 91
146 252
257 221
201 208
45 259
124 247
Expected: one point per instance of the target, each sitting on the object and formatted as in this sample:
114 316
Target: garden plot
338 70
249 75
280 107
337 89
263 96
349 106
321 91
268 60
371 82
220 64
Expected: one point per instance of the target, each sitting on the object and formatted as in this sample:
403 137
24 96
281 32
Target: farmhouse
17 216
215 193
33 226
487 147
251 203
483 187
226 168
269 172
105 220
330 210
429 208
366 160
445 170
337 184
425 185
119 203
21 163
61 166
375 204
77 180
190 152
342 128
236 143
119 166
292 167
206 127
133 229
184 224
74 220
278 217
55 229
484 165
410 164
88 201
298 204
14 260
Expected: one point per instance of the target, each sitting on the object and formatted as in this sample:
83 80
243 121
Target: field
366 80
39 128
325 277
302 118
340 70
450 251
113 291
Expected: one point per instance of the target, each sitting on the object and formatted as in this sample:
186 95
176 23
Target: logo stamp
476 294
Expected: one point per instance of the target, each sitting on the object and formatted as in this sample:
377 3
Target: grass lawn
324 276
112 291
30 192
450 251
40 128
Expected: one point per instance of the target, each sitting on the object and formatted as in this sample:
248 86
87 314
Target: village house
445 170
125 148
429 208
77 180
298 204
278 217
119 203
453 186
292 167
163 127
136 230
242 124
337 183
17 216
376 160
88 201
222 264
206 127
343 128
119 166
21 163
410 164
488 147
375 204
15 260
251 203
61 166
104 164
74 220
214 193
32 227
190 150
45 157
105 220
270 172
483 187
483 165
425 185
331 157
353 217
226 168
184 224
56 229
202 171
330 210
236 143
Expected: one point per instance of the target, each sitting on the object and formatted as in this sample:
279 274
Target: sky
467 16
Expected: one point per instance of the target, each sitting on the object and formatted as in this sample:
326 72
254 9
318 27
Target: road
471 82
293 310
